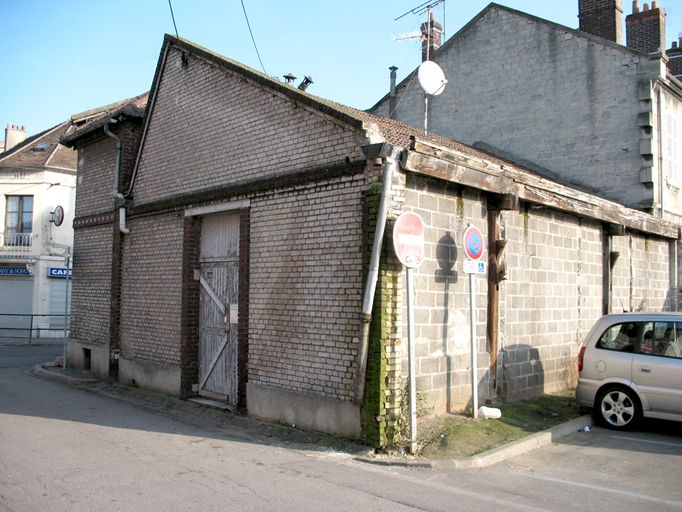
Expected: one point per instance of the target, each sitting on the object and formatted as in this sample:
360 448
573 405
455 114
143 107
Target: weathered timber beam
529 188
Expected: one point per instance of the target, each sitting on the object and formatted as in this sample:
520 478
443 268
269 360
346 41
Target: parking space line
649 441
635 495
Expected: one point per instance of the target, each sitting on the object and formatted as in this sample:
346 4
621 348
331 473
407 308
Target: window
620 337
19 220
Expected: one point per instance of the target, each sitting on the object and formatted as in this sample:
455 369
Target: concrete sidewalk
248 428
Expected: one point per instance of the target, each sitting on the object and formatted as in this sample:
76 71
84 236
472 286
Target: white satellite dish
431 78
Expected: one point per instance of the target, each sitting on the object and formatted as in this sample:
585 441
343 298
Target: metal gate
219 278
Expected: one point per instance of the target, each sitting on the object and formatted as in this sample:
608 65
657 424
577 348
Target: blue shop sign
60 272
14 271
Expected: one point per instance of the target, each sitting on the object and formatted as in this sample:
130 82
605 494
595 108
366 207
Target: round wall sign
58 216
473 243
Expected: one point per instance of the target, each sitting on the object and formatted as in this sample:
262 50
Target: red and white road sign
408 239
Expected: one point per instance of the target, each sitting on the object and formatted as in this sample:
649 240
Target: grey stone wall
552 296
542 94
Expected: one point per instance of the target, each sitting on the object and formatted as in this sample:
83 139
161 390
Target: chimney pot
635 7
290 79
654 4
674 44
305 83
646 7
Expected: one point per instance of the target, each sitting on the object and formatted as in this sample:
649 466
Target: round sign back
408 239
58 216
473 243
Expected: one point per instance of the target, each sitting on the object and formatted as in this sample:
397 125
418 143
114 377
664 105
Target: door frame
191 289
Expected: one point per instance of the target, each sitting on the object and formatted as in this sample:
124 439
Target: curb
43 370
499 454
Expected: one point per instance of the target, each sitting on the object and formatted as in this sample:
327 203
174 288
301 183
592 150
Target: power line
252 38
173 16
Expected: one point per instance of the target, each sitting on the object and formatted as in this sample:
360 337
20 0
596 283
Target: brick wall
306 287
94 193
646 30
151 289
544 95
211 128
91 288
603 18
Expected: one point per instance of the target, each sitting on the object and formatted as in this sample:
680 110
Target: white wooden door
219 279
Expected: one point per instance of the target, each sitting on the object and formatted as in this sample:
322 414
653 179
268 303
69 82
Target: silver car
631 366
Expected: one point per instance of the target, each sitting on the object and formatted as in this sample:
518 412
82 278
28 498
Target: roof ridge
28 141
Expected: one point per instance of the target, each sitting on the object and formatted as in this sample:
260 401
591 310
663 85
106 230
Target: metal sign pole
474 346
411 361
66 301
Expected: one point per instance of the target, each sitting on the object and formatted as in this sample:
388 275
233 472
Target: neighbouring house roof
474 21
42 151
90 121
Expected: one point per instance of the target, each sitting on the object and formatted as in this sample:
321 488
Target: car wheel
618 408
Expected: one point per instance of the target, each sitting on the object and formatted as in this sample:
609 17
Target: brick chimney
432 37
646 28
675 58
14 134
603 18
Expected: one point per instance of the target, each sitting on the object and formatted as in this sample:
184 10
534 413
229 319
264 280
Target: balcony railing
16 244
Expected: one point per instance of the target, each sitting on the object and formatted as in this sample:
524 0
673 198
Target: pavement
241 426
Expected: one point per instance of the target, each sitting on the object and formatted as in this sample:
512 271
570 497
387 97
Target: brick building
235 261
575 105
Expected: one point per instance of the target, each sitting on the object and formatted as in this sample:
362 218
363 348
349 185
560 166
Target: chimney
603 18
432 37
305 83
290 79
675 58
392 97
646 28
14 134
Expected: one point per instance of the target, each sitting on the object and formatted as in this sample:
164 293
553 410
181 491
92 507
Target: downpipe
118 197
373 274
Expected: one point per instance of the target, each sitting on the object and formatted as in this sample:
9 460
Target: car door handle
645 370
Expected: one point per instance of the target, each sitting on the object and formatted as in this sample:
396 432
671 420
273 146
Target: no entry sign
473 243
408 239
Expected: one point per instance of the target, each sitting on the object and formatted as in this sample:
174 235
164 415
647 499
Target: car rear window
620 337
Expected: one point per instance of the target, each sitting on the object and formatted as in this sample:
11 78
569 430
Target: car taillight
581 355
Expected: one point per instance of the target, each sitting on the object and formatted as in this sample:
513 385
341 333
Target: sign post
473 248
408 241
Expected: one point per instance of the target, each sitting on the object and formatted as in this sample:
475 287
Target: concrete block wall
542 94
151 290
442 313
642 274
551 298
306 287
211 127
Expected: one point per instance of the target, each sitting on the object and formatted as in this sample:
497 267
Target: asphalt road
68 449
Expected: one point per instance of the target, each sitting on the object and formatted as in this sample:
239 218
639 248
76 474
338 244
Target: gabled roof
92 120
41 151
474 21
394 132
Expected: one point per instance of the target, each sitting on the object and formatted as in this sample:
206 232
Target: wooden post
493 320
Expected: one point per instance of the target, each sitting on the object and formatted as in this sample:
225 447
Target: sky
59 58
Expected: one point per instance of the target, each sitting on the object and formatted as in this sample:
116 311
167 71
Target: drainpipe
385 151
661 171
393 96
118 197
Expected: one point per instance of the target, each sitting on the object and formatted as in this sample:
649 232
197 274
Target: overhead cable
252 38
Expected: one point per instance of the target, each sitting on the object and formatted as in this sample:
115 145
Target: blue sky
63 57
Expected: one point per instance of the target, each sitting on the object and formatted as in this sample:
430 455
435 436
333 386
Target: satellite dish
431 78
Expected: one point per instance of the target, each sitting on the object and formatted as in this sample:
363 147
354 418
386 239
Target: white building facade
37 197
